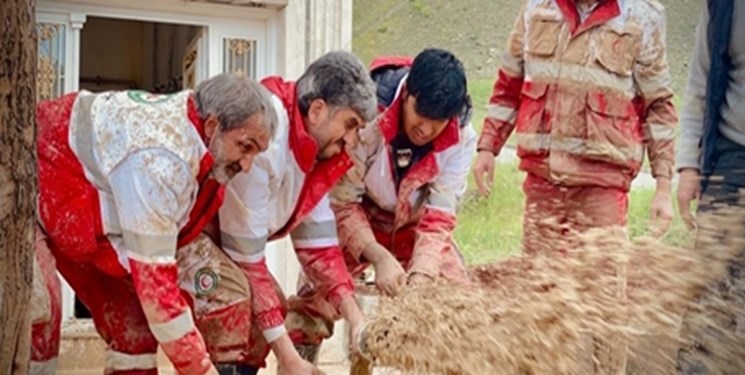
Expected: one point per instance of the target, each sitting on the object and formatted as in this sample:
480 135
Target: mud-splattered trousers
413 218
586 95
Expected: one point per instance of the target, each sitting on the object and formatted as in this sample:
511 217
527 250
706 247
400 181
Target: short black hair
438 82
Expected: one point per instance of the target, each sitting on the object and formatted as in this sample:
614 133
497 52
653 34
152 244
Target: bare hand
288 359
355 339
689 191
661 213
484 166
389 275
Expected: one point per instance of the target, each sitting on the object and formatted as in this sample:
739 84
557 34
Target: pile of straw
580 312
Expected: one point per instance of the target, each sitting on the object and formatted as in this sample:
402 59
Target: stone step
82 351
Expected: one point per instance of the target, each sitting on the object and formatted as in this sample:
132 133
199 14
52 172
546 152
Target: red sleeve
266 305
500 120
326 269
433 236
169 316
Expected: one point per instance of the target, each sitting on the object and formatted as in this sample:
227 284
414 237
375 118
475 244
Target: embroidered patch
148 98
205 282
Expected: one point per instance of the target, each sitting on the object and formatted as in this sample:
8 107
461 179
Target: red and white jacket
415 220
123 181
587 93
286 192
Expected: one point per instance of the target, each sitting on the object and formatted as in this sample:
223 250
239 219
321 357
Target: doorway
117 54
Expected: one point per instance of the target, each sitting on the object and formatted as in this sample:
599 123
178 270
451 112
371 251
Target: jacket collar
605 11
302 144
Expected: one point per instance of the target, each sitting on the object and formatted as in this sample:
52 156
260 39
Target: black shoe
308 352
235 369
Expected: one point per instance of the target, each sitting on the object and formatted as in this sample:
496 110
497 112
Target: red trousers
553 211
217 289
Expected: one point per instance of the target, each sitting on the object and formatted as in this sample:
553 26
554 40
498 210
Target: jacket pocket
617 50
531 128
613 134
543 34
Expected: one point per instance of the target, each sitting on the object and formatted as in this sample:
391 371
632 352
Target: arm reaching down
435 229
156 189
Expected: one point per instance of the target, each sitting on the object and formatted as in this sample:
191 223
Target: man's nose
352 137
246 162
427 129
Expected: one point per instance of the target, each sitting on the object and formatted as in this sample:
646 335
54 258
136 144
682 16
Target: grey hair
233 99
340 79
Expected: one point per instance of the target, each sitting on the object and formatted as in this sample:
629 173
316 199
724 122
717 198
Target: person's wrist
486 151
664 186
375 253
284 350
351 312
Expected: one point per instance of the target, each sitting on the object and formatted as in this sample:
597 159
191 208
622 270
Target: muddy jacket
123 181
587 92
286 192
413 217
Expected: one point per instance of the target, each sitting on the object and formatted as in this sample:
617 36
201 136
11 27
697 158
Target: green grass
491 228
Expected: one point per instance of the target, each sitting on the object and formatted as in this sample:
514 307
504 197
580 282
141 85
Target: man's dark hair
438 82
341 80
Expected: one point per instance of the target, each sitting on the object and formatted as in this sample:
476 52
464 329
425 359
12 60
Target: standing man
712 147
286 193
586 87
396 208
125 178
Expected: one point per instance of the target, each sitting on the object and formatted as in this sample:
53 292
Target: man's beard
224 172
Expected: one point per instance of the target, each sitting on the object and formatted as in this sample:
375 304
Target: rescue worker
710 162
396 208
585 85
125 178
286 193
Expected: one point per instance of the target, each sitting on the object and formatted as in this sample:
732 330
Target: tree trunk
17 180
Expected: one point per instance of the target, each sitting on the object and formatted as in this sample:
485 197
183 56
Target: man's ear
210 126
316 111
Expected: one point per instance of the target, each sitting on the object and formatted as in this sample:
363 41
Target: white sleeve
448 189
153 190
243 216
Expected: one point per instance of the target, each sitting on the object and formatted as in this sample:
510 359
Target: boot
235 369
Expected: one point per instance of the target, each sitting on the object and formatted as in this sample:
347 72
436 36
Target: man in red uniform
585 85
286 193
126 178
396 208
